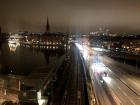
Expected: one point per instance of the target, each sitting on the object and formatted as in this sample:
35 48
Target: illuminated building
48 39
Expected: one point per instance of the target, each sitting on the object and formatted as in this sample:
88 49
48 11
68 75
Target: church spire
47 26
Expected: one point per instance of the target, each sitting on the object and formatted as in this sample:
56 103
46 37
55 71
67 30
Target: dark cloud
75 15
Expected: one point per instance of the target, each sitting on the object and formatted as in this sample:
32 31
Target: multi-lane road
111 82
113 85
125 85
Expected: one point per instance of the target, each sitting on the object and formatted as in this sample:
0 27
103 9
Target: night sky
70 15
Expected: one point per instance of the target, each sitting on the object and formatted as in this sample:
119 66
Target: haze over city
69 52
70 15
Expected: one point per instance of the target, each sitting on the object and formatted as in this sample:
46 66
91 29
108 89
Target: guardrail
85 75
88 80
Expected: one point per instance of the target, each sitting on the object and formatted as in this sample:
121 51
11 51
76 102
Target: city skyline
70 15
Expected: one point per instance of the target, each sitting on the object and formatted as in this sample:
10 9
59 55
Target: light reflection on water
21 60
18 59
13 45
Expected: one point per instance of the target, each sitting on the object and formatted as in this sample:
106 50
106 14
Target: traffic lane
135 81
105 98
100 93
125 95
131 80
103 94
122 94
122 90
118 81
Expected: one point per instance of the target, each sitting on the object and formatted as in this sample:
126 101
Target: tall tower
47 31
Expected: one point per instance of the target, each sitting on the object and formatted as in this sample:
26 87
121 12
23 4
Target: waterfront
16 59
24 69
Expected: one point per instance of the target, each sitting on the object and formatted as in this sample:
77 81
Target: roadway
125 73
124 82
115 88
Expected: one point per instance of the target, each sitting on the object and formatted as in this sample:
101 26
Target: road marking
133 82
132 102
119 88
136 83
138 98
124 93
